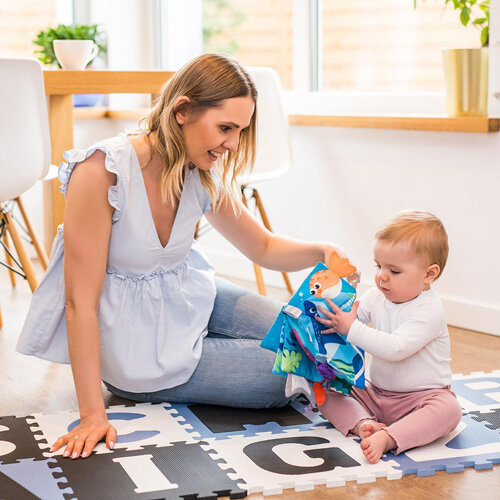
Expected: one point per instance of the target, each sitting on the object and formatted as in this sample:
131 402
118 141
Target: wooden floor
28 385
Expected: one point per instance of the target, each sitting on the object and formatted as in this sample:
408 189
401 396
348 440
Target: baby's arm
409 338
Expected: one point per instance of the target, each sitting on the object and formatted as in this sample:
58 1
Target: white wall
346 182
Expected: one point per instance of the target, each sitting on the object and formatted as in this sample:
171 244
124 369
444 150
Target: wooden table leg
61 139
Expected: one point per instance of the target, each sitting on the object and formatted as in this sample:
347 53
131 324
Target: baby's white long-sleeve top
409 342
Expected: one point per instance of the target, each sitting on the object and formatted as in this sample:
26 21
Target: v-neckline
148 205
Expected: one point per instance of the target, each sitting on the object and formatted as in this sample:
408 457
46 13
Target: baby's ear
340 265
432 273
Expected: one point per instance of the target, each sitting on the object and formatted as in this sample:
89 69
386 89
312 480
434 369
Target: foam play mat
199 452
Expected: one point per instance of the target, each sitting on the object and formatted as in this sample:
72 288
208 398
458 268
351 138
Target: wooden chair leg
9 260
265 220
259 278
21 252
42 255
256 269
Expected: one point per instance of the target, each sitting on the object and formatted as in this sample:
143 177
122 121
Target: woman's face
211 133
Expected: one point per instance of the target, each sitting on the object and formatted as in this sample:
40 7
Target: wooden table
60 85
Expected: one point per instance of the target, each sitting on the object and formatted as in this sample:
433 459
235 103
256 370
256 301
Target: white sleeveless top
156 301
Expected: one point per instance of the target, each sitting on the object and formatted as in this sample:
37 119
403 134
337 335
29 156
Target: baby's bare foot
375 445
366 427
369 427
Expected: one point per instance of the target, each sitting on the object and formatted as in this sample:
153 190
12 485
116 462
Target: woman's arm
267 249
87 228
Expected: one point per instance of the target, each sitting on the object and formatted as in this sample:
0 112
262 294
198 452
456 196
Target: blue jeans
233 369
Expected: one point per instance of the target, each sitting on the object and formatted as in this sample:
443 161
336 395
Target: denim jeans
233 369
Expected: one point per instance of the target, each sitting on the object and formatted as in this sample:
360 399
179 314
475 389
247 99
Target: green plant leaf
465 16
484 36
464 6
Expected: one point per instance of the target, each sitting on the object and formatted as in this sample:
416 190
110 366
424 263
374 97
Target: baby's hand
338 321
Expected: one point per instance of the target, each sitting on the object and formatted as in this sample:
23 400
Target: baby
408 401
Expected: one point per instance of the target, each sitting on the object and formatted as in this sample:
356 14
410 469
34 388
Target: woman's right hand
81 440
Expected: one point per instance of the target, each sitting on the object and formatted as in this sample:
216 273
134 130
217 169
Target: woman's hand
81 440
329 249
337 321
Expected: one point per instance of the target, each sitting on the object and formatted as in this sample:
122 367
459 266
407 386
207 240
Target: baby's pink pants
412 418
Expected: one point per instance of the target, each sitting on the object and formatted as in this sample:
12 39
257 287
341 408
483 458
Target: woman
134 302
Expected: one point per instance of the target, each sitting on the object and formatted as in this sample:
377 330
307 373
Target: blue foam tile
481 397
475 434
35 477
426 472
483 465
455 464
452 469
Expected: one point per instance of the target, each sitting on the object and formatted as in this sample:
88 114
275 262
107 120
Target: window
387 45
355 45
257 32
20 21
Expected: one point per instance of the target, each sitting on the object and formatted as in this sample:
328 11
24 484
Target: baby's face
400 274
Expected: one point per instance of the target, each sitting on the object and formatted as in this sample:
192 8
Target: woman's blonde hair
423 231
206 80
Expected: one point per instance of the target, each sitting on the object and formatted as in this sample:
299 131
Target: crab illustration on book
327 361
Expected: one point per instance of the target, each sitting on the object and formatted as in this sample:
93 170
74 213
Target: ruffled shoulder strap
202 194
113 149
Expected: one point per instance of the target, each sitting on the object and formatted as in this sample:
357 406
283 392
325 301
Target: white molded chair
274 157
273 150
24 156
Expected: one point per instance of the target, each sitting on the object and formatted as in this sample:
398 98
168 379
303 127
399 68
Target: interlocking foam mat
195 451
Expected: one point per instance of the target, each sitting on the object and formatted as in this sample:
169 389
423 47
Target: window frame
306 97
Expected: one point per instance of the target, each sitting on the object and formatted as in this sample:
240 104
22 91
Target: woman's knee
258 314
274 395
240 313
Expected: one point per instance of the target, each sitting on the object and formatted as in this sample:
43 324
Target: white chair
24 157
273 151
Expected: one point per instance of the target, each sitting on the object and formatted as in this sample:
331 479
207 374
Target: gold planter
466 79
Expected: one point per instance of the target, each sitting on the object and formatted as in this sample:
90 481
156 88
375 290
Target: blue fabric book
300 346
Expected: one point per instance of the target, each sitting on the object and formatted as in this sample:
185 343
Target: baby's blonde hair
423 231
206 80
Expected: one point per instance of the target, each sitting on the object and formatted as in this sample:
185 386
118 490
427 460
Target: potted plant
466 70
45 53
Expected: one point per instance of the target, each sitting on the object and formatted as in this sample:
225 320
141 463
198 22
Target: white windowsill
365 103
